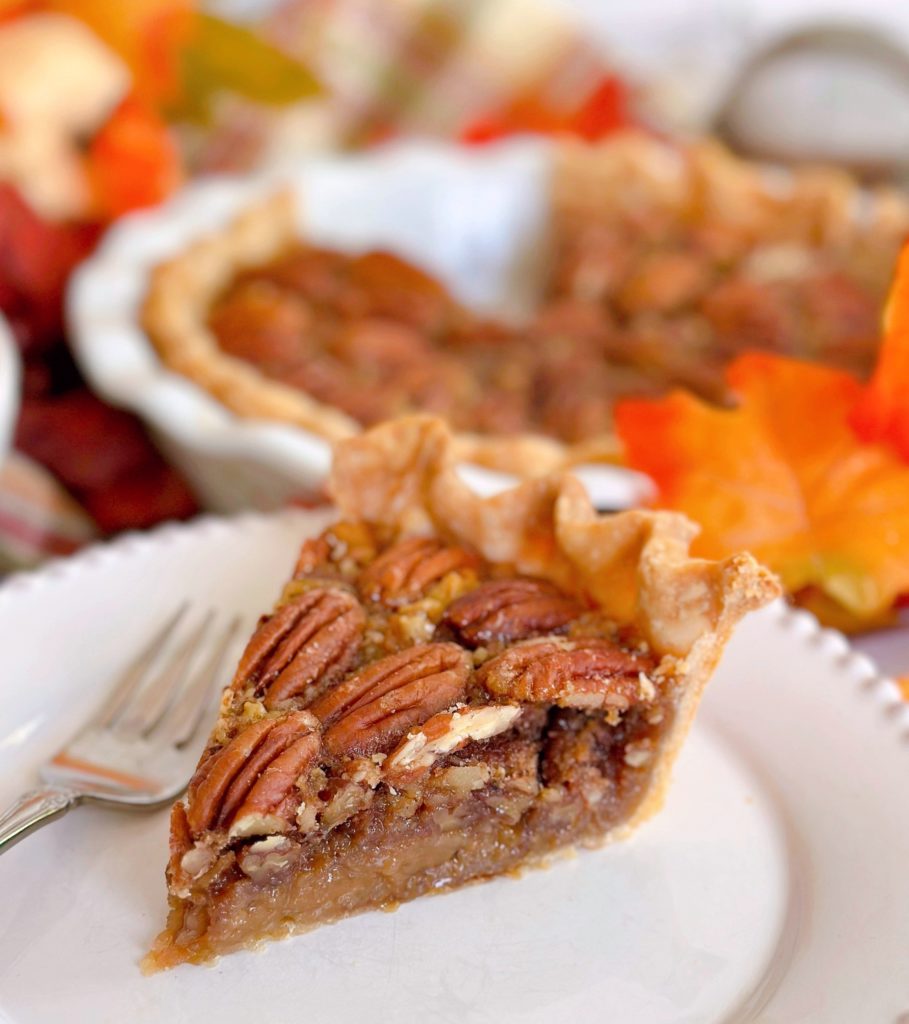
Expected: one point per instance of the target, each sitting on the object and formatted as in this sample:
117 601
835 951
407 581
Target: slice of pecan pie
449 688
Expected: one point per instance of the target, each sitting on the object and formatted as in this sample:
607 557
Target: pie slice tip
449 688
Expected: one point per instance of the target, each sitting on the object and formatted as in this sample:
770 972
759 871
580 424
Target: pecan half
590 672
248 785
444 733
376 707
509 610
407 569
311 639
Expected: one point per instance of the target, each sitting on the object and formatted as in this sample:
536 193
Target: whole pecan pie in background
664 263
449 687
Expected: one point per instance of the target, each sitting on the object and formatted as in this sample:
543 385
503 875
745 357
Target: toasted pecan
445 733
312 639
270 804
341 545
180 838
406 570
509 610
254 774
376 707
589 672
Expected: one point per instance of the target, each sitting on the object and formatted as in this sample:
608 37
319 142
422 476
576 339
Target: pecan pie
665 262
449 688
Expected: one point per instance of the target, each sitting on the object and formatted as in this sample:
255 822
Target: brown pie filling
409 719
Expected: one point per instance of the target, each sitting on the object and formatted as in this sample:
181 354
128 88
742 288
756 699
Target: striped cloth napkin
38 519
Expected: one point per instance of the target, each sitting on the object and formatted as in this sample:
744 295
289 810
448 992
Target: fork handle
32 810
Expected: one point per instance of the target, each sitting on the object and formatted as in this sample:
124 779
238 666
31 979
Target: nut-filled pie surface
657 266
449 688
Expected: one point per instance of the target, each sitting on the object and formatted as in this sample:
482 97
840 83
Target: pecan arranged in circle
590 672
248 786
312 639
375 707
509 610
406 570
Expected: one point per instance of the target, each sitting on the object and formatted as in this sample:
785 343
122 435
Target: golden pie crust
449 688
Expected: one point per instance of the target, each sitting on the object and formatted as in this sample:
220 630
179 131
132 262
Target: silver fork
139 750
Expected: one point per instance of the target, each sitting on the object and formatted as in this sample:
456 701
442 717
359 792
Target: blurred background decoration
109 108
91 95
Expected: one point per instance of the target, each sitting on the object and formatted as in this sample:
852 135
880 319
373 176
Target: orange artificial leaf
10 9
784 476
133 161
882 412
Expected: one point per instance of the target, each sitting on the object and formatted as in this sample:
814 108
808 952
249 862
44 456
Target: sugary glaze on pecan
393 695
254 773
407 569
589 672
512 609
341 729
310 640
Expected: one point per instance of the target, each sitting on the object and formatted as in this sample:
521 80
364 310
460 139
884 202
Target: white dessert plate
774 887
